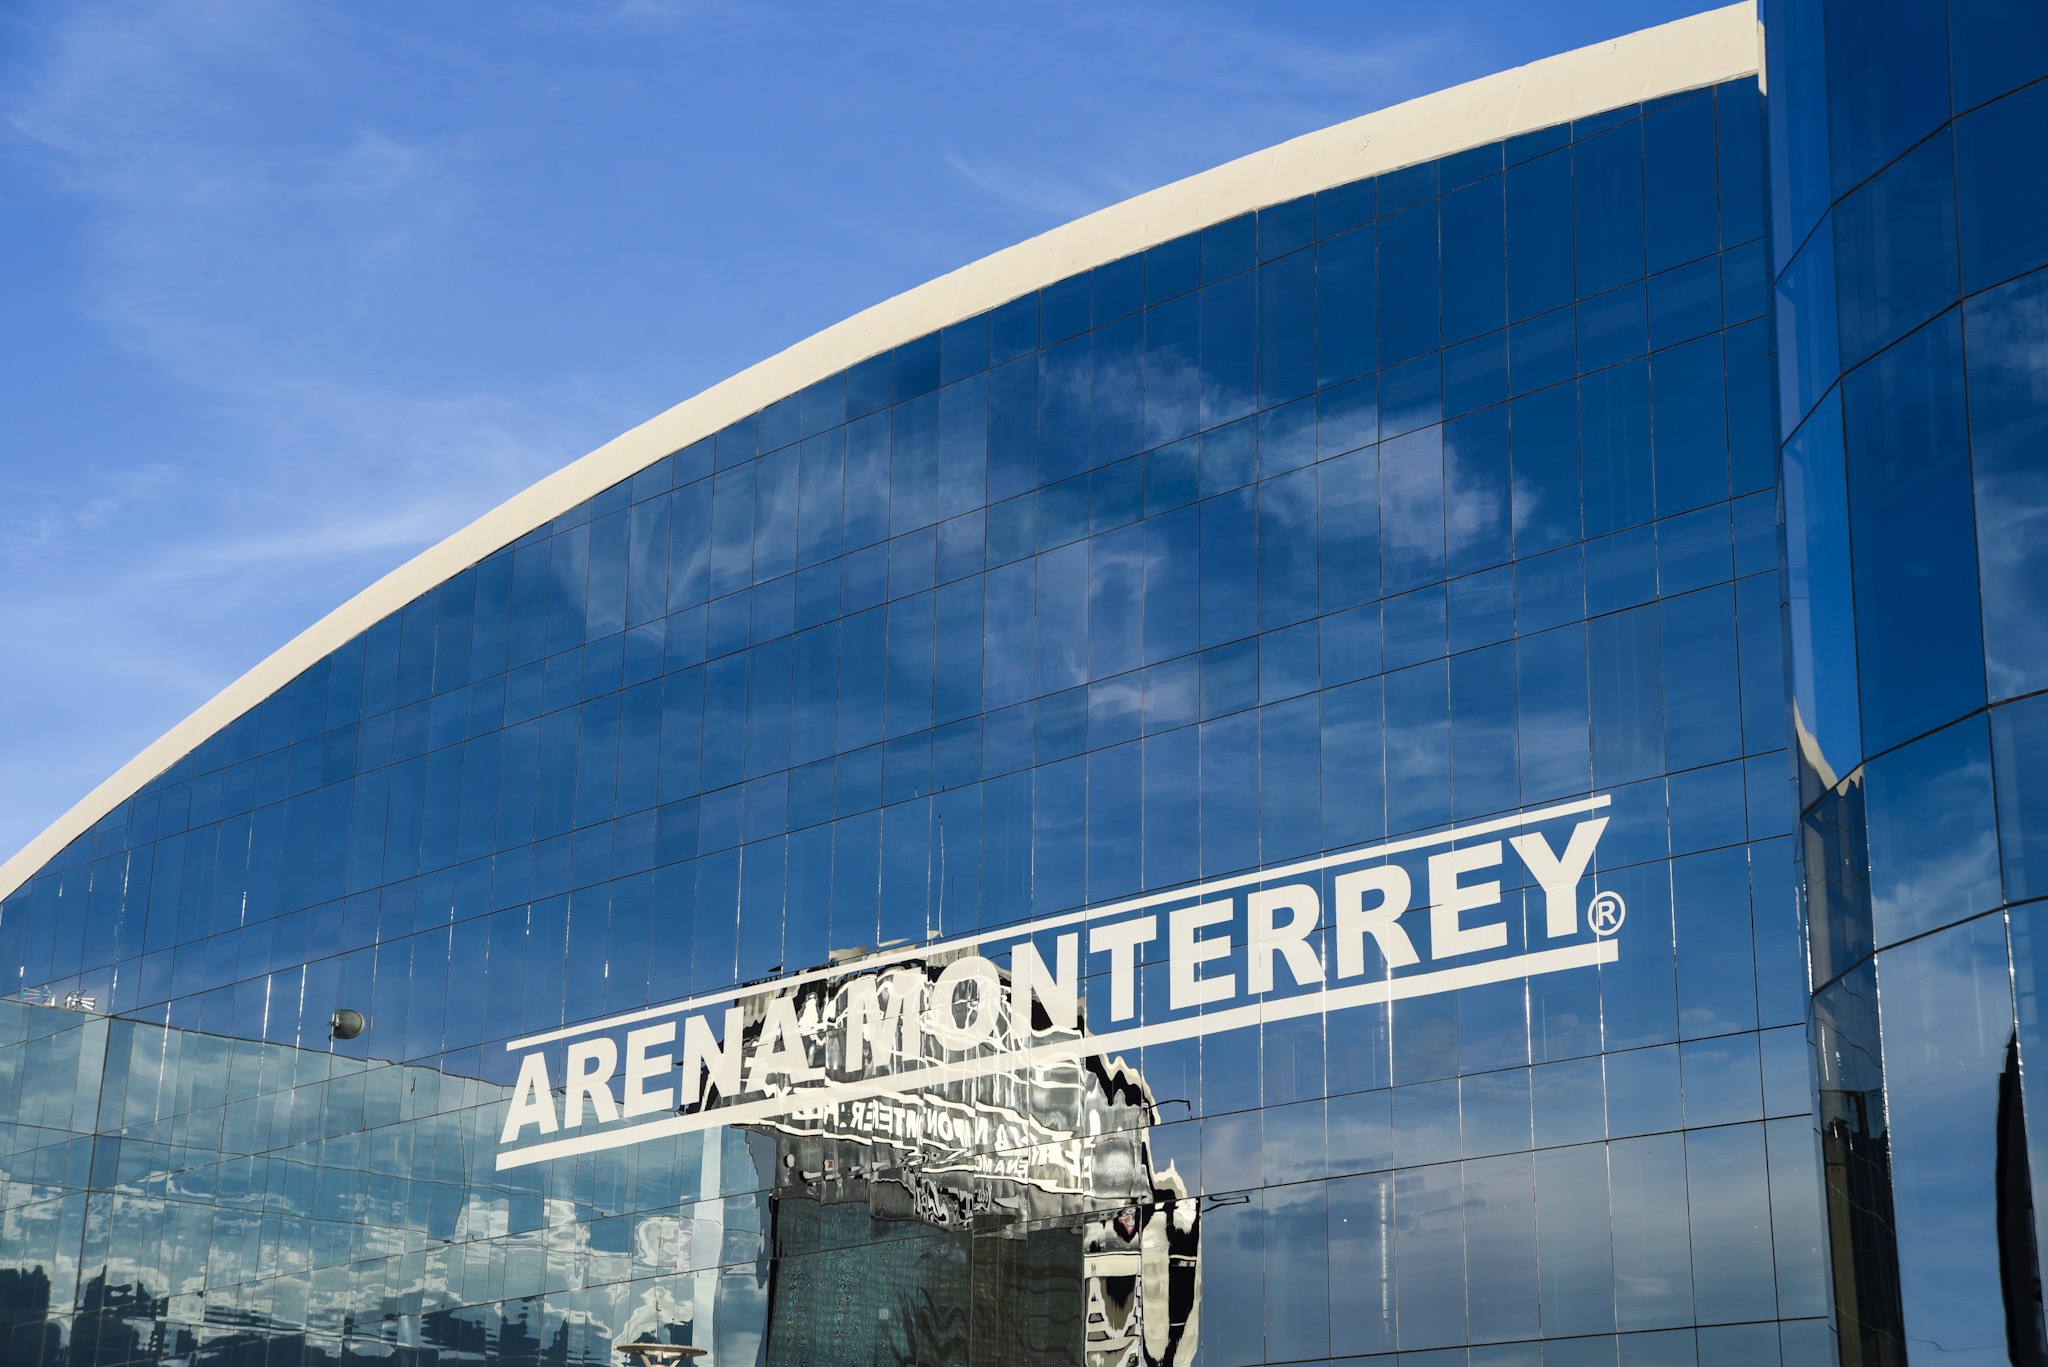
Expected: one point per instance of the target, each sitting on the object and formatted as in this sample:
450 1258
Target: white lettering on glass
1389 885
853 1035
1190 950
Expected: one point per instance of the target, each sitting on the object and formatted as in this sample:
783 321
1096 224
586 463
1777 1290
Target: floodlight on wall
346 1024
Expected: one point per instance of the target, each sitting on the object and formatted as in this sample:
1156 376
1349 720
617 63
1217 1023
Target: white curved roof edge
1719 45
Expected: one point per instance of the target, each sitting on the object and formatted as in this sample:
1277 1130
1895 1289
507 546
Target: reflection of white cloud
1119 400
2008 340
1944 864
1172 380
1412 498
1526 503
1472 504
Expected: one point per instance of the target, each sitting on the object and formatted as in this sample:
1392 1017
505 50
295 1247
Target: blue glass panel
1738 112
1346 207
1690 422
1411 395
741 441
1229 604
1745 289
1172 268
1484 764
1574 1245
1013 330
963 351
1287 312
1414 627
1752 434
1525 146
1064 309
1228 247
2002 208
1679 207
1797 72
1475 373
1411 509
1607 195
1933 833
1543 351
1117 416
1418 769
1474 163
1539 236
1474 249
1627 697
1996 46
2019 737
1287 549
1919 644
1118 288
1228 348
1618 488
1477 530
1948 1015
1809 347
1481 609
1895 250
2006 332
1553 714
1284 228
1546 469
1409 299
1612 328
1064 384
1822 620
1887 85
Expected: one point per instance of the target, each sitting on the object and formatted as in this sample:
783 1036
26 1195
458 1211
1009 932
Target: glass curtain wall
1908 240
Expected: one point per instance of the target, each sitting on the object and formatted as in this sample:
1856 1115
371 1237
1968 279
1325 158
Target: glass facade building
1437 770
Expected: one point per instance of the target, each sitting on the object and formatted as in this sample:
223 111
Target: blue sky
290 292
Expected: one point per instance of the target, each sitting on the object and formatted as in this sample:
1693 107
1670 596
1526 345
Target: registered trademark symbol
1606 913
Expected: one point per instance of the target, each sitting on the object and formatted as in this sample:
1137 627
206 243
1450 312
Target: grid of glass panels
1913 313
1426 498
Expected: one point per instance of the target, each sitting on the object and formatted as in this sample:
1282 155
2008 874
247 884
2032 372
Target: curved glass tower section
1912 316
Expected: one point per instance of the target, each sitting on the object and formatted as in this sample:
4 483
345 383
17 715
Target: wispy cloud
34 524
241 261
1049 195
242 242
1205 67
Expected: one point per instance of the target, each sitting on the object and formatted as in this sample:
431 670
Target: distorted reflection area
1017 1211
1023 1210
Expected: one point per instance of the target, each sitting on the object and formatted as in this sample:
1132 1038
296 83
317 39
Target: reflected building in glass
1276 775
